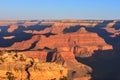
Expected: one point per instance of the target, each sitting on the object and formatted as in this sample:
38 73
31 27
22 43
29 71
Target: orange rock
76 69
12 28
84 39
22 45
41 55
29 23
8 37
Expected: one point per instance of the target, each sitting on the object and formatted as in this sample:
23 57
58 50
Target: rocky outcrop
12 28
24 45
76 70
65 58
29 23
8 37
77 42
15 66
113 32
53 42
40 55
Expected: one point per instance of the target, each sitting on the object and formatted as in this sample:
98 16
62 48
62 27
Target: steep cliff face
62 34
15 66
61 42
40 55
78 42
76 70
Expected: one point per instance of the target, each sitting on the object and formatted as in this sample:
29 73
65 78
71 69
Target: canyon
69 49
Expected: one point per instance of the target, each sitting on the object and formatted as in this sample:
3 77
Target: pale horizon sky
59 9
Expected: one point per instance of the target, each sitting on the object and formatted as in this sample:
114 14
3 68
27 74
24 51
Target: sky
59 9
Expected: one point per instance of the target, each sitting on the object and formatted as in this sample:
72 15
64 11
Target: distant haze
59 9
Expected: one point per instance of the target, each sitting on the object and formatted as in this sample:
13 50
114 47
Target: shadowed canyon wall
87 49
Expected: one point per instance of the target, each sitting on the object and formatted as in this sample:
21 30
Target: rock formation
23 45
75 42
40 55
75 69
12 28
54 42
15 66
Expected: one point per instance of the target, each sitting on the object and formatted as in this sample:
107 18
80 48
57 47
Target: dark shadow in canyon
114 41
116 25
71 29
50 54
31 47
48 34
49 57
105 65
3 30
19 34
103 24
38 27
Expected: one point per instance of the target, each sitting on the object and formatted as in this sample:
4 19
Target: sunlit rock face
59 42
75 69
12 28
23 45
17 66
40 55
78 39
8 37
78 42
